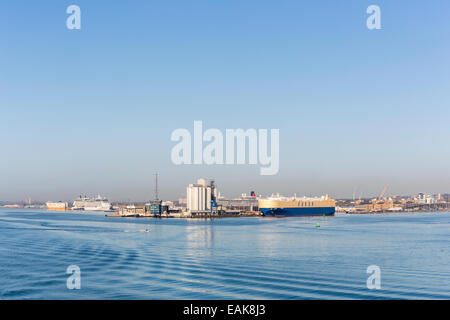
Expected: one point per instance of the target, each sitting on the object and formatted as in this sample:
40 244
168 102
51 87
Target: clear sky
92 110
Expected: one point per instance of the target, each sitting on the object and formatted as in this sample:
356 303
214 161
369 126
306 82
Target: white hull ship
95 204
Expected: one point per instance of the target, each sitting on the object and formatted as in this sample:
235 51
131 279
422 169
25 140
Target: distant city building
169 204
423 198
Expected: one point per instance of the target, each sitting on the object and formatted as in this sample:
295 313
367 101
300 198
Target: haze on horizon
91 111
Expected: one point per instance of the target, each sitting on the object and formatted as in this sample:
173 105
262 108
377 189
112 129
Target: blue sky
92 110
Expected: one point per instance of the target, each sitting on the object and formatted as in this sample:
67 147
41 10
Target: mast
156 186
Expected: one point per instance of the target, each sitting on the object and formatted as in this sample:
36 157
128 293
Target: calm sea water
233 258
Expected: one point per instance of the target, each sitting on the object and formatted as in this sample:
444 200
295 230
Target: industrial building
132 210
200 197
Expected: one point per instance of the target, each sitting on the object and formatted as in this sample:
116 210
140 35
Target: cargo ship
57 205
88 204
277 205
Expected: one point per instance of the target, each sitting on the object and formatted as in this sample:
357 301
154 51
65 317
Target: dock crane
383 192
380 204
213 205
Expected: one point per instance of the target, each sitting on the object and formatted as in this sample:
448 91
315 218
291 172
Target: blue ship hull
314 211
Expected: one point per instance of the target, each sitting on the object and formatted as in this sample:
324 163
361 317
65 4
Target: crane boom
383 192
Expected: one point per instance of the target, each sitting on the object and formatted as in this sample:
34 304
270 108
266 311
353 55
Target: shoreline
114 214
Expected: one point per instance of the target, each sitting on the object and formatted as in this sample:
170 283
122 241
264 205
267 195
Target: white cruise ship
95 204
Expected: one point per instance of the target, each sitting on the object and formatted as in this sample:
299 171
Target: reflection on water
200 236
235 258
